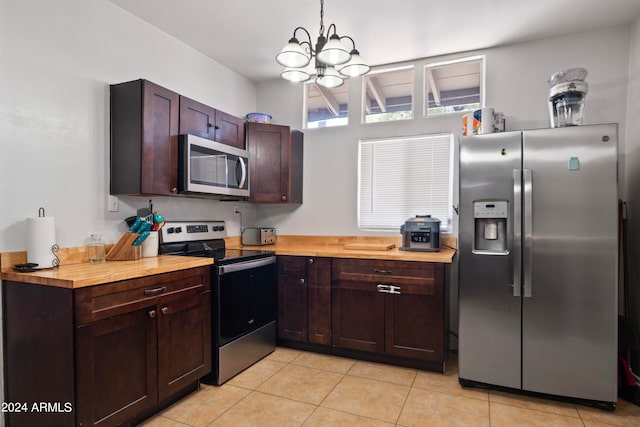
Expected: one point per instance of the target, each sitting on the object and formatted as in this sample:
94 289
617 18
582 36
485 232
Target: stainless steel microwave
209 167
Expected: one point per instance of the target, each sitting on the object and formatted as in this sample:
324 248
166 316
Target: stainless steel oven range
243 294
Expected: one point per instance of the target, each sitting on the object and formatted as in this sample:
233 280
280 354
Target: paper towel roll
41 239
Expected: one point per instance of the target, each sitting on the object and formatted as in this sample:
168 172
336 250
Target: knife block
123 251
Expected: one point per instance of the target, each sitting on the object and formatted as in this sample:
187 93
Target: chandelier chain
321 17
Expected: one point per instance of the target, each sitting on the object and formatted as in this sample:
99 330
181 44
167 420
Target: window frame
446 224
425 85
363 114
305 109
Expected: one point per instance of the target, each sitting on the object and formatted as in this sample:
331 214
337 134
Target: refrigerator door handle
517 231
527 259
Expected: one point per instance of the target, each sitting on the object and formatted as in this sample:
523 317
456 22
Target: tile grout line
406 398
251 390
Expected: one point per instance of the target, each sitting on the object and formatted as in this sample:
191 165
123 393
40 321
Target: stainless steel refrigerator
538 240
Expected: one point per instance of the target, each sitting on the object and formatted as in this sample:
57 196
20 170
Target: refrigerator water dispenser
490 223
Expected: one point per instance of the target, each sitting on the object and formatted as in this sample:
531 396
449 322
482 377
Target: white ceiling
246 35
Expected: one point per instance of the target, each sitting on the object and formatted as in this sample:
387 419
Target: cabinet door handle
164 310
383 288
152 314
310 260
382 271
284 197
301 281
156 291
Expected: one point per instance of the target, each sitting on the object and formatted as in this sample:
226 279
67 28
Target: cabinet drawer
293 265
99 302
401 272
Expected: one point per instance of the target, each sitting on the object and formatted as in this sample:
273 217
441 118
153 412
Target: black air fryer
421 233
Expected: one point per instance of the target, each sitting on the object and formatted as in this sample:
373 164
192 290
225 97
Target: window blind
403 177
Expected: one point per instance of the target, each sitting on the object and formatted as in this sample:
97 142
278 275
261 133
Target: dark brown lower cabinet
378 310
116 368
111 353
395 308
304 299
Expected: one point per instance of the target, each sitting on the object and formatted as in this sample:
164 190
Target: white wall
632 178
57 59
516 77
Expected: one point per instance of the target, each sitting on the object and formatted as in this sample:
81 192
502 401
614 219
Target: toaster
421 233
258 236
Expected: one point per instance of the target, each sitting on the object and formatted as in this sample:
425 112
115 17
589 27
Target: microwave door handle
243 167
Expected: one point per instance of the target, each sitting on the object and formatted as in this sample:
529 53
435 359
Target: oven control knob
216 228
221 228
178 230
170 230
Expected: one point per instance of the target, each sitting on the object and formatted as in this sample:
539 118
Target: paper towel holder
42 248
54 248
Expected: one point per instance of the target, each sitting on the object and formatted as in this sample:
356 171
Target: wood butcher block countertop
364 247
81 274
74 272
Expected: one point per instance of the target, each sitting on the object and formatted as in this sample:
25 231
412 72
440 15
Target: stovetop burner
203 239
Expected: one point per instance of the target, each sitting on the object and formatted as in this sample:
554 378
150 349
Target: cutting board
370 246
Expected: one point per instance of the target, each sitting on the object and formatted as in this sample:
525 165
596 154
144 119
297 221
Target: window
388 95
403 177
454 86
326 106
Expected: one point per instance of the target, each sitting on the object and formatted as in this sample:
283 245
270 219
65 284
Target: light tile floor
296 388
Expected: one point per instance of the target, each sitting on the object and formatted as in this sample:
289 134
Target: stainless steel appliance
243 295
212 168
421 233
258 236
538 262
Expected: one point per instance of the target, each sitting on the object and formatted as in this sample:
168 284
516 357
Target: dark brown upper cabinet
276 163
207 122
144 139
146 120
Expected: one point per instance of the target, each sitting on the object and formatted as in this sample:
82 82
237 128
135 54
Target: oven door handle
246 265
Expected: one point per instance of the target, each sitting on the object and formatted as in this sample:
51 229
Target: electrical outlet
236 210
112 203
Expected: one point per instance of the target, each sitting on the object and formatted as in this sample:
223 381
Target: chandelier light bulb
330 79
293 55
295 75
334 52
355 67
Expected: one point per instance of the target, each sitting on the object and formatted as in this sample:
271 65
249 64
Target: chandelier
333 61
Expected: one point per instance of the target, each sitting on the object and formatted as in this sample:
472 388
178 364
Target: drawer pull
156 291
394 290
152 314
388 289
383 288
382 271
164 310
